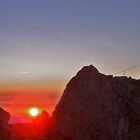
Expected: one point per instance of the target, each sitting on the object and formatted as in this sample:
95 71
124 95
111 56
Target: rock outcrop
4 117
97 107
5 129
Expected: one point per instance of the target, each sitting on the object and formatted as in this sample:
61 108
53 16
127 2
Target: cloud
7 96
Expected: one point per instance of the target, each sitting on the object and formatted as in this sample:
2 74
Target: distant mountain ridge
95 106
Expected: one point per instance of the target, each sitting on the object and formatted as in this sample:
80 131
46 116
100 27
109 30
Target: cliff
98 107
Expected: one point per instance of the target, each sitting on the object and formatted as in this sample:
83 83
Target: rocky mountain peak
95 106
88 71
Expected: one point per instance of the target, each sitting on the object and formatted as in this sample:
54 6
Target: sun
34 111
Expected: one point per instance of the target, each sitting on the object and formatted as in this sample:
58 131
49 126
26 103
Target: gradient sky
43 43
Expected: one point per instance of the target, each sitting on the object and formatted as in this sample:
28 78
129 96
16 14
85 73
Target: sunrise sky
43 43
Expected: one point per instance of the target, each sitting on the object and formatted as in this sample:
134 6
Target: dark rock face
4 116
5 132
4 128
97 107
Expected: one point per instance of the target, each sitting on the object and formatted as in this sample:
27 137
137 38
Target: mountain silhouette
98 107
93 106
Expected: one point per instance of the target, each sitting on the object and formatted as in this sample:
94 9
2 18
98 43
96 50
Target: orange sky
18 97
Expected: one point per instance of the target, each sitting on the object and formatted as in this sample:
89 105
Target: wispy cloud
5 96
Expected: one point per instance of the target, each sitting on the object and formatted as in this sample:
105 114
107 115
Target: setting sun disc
34 112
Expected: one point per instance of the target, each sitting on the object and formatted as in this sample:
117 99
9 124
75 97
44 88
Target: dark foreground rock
5 128
97 107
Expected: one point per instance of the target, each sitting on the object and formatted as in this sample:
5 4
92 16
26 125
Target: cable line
125 70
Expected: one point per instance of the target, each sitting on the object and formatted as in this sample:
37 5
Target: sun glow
34 112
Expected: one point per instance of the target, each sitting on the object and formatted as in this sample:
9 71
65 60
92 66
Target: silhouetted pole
124 71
